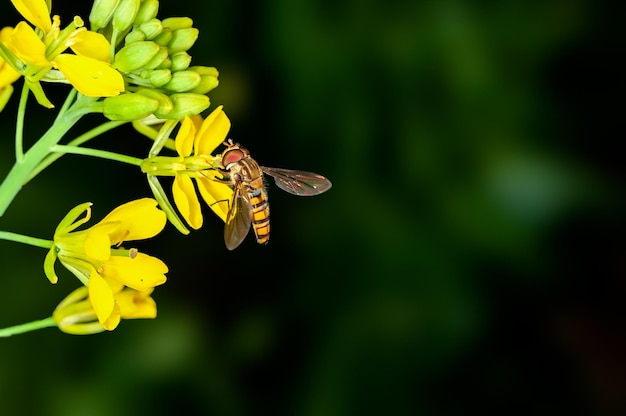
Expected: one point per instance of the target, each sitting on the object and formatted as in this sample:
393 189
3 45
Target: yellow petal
26 45
136 304
138 220
35 11
90 44
217 195
98 243
102 300
141 272
89 76
186 200
185 137
212 132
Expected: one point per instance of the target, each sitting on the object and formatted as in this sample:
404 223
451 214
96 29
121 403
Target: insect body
249 205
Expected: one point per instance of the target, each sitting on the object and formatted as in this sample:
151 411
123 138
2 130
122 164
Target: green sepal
48 265
164 203
70 222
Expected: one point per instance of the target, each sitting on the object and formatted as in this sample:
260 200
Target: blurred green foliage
468 258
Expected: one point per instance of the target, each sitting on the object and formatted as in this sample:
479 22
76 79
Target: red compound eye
231 156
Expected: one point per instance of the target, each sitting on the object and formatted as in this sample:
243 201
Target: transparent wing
298 182
238 221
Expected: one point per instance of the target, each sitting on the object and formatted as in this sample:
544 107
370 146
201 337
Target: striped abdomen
257 197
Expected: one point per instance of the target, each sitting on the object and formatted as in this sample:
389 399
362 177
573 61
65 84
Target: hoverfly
249 205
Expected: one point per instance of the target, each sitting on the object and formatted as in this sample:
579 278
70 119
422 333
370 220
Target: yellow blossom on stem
96 257
195 141
88 69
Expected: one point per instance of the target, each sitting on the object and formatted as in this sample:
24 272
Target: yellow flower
201 139
8 75
94 255
76 315
88 69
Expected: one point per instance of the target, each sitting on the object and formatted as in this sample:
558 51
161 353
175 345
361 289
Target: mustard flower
76 314
195 141
88 69
94 255
202 140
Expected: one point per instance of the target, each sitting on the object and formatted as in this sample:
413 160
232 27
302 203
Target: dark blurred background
469 257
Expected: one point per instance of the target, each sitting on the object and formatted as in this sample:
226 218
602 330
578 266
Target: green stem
83 138
103 154
22 169
68 102
19 238
28 327
19 125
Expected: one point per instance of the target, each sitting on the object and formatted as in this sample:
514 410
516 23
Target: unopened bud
134 36
159 77
157 59
124 15
147 10
180 61
129 107
207 83
176 23
101 13
135 55
182 40
152 28
205 70
165 104
186 104
183 81
167 64
164 37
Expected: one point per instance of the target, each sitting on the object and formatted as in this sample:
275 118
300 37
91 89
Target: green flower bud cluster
155 55
152 55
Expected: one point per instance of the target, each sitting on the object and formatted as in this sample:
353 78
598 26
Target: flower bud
180 61
167 64
207 83
157 59
164 37
176 23
101 13
186 104
129 107
135 36
205 70
124 15
159 77
147 11
152 28
135 55
183 81
182 40
165 104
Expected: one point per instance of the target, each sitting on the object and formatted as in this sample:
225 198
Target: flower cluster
95 257
130 66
